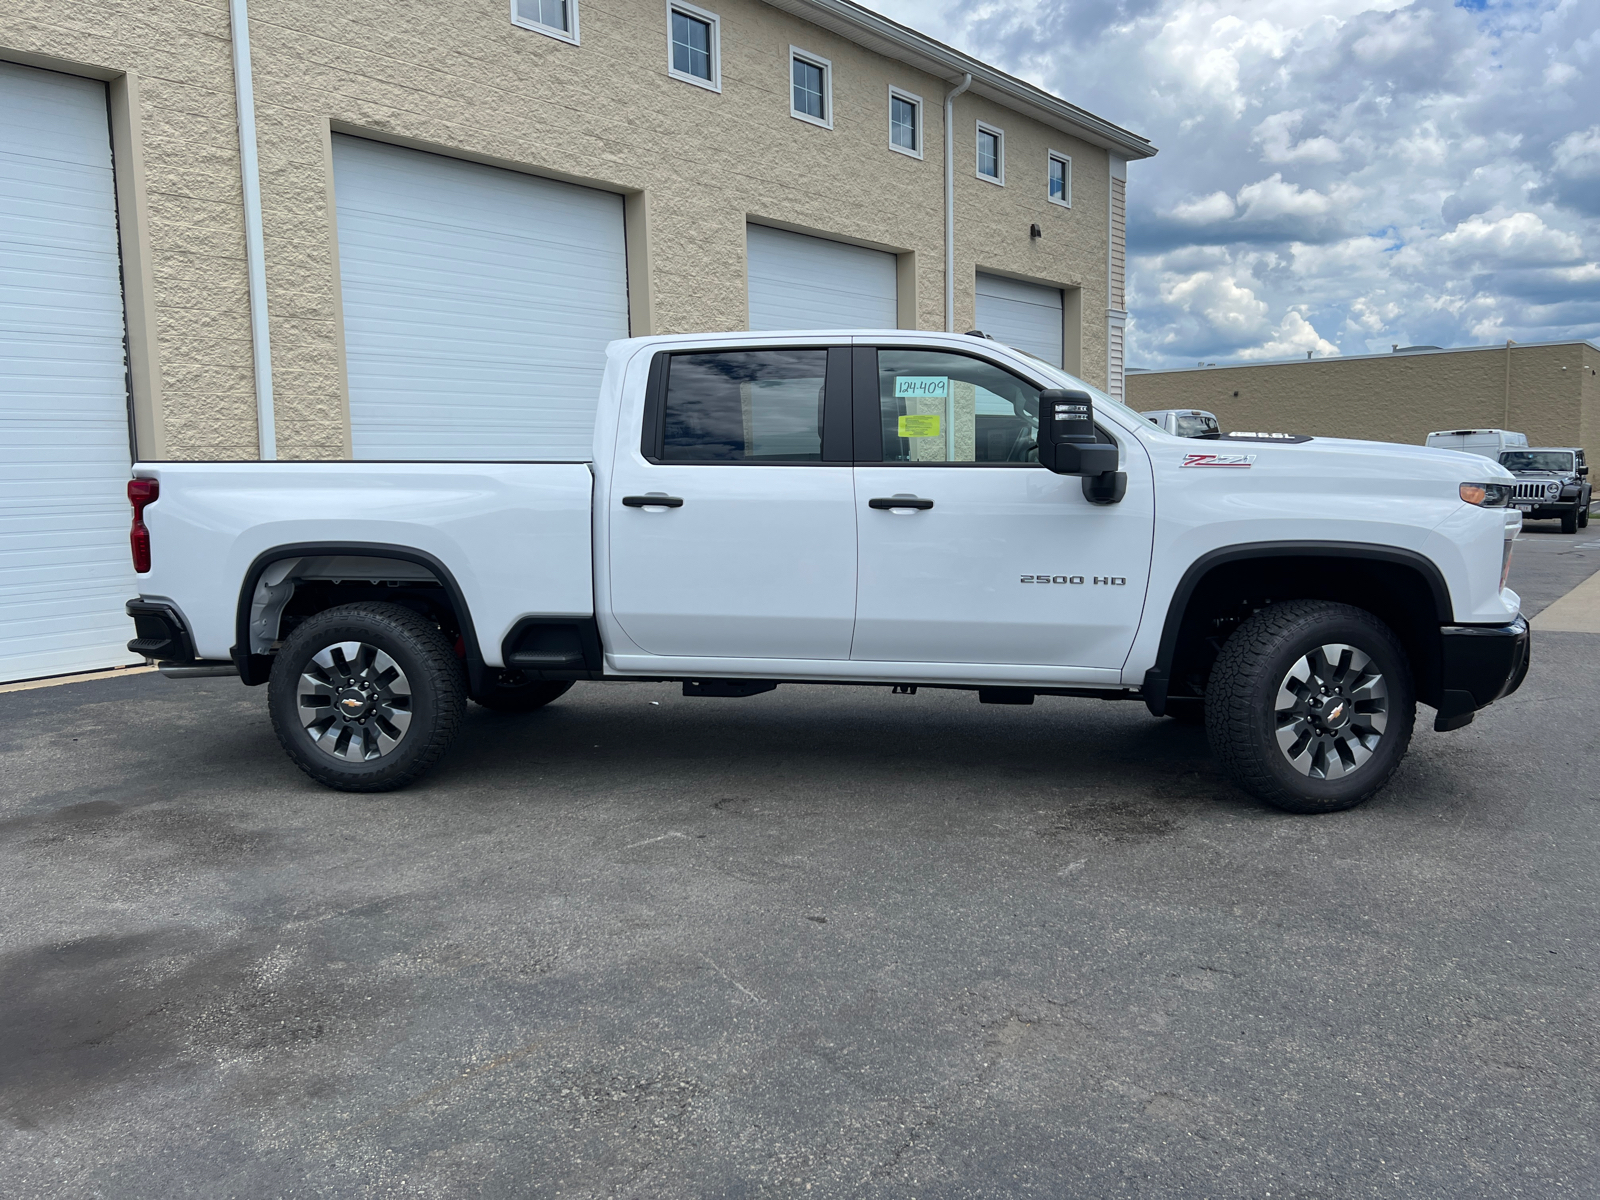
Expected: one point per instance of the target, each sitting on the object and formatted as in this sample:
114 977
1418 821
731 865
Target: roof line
1334 358
893 40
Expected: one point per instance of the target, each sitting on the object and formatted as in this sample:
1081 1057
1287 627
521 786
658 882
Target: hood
1428 462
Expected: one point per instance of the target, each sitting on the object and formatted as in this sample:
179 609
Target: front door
752 551
990 558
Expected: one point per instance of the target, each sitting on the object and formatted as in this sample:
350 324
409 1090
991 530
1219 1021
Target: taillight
140 493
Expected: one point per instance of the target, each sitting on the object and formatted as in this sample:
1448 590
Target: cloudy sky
1335 176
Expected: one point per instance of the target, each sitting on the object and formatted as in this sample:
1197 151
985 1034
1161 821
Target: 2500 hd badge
1111 580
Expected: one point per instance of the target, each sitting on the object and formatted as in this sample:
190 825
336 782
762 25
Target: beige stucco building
1549 391
579 91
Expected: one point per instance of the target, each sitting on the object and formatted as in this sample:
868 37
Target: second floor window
558 18
991 154
693 45
809 85
905 123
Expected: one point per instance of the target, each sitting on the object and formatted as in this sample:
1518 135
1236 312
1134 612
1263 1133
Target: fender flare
1156 679
254 668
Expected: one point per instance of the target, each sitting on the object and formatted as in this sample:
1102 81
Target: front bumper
1479 665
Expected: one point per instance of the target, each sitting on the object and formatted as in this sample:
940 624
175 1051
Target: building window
991 154
811 88
1060 180
558 18
905 122
692 46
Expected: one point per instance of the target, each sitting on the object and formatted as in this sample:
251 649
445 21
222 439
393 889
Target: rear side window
745 406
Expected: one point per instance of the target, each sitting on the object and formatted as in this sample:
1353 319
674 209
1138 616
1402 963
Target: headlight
1487 495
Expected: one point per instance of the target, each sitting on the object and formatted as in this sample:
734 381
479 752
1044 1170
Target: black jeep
1551 482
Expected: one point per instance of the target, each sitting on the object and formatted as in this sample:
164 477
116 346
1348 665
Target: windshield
1536 460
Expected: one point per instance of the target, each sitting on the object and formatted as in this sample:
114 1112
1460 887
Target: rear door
989 557
751 550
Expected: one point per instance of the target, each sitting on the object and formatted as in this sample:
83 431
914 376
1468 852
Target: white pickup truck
897 508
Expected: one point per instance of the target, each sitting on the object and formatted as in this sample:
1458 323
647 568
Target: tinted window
1536 460
745 406
938 407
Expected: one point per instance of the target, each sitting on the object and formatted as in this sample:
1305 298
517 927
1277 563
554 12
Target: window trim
561 35
714 84
816 60
1055 156
1000 153
915 101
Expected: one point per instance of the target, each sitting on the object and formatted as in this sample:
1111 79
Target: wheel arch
254 667
1403 588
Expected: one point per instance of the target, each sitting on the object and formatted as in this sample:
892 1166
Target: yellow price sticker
919 426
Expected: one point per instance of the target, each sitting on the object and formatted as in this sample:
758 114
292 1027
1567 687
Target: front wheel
1310 705
366 697
1583 514
1569 520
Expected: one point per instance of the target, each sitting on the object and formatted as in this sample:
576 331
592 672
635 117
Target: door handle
651 502
886 502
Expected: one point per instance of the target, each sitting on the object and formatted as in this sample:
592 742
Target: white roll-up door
1024 315
65 570
803 282
477 305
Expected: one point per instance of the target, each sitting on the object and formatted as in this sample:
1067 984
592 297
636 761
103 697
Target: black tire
424 663
1569 520
1186 711
1242 717
1583 514
513 692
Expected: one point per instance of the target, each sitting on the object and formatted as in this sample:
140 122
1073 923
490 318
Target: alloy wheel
1331 711
354 701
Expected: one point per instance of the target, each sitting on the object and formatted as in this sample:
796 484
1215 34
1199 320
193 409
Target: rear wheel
1310 705
512 691
366 697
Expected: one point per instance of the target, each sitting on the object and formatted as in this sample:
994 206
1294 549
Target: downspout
950 203
255 254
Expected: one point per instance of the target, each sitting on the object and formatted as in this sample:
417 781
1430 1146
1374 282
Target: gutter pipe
255 253
949 201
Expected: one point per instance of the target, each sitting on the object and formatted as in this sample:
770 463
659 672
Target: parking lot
823 941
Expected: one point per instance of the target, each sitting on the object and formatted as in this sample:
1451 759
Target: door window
745 406
938 407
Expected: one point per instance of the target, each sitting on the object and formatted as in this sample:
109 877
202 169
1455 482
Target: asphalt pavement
818 942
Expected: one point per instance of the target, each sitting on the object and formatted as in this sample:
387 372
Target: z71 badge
1218 460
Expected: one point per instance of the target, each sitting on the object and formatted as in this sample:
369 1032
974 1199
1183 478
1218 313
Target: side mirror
1067 445
1583 470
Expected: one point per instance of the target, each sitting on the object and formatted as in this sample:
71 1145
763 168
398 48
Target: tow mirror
1067 445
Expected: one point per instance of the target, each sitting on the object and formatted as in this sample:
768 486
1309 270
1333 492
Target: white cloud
1519 237
1272 197
1578 154
1275 135
1218 206
1294 338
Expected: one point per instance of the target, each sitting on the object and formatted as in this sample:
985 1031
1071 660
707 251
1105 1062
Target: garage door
1024 315
477 305
65 572
801 282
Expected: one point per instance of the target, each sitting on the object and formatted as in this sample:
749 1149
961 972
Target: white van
1487 442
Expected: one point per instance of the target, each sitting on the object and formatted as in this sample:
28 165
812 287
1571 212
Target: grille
1541 490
